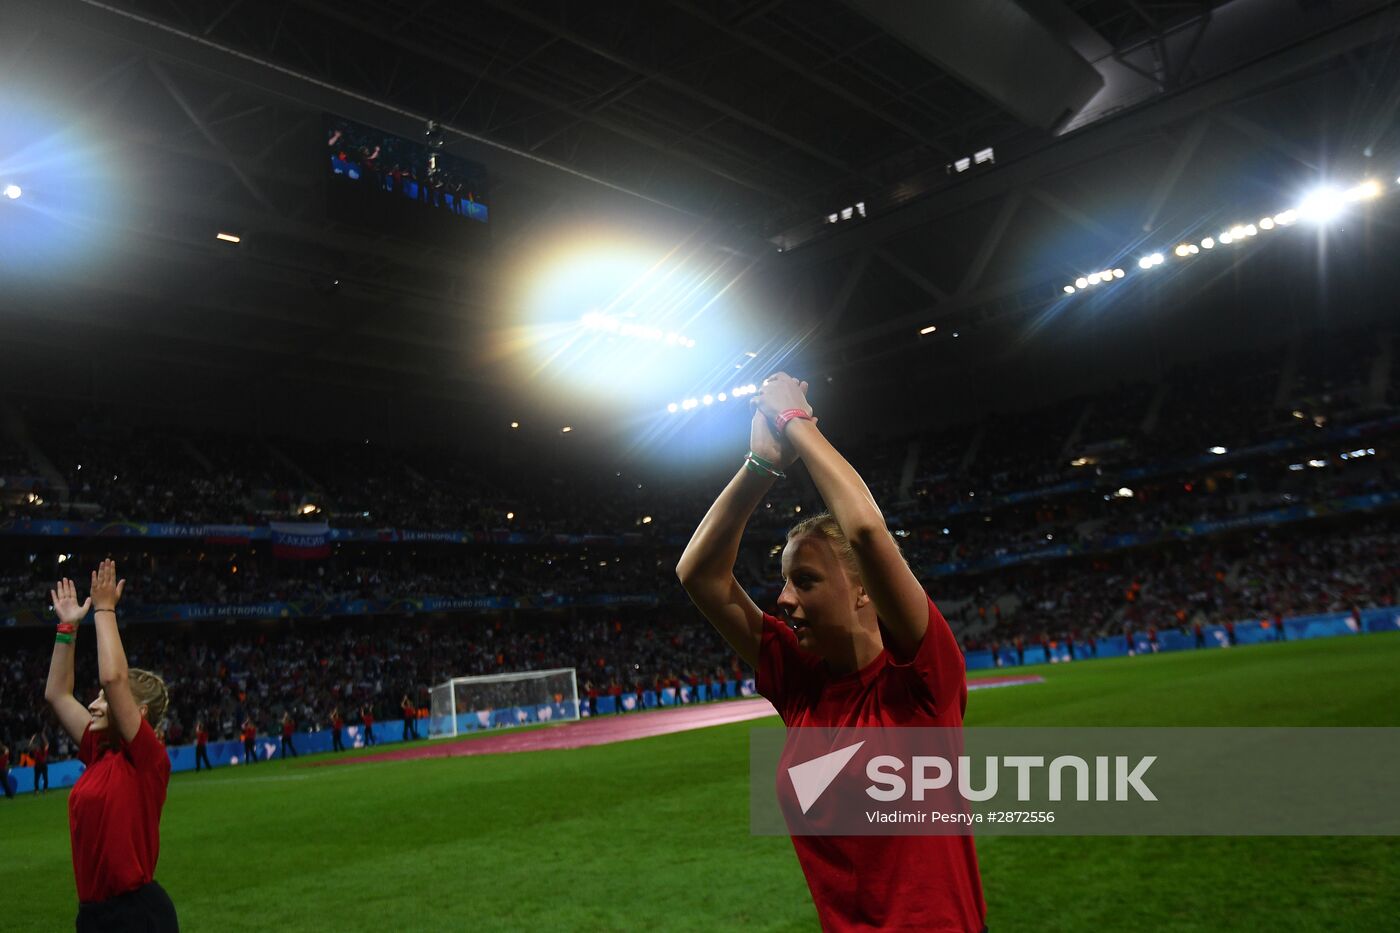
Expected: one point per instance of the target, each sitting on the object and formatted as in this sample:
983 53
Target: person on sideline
860 644
201 747
39 752
250 741
367 720
114 808
289 728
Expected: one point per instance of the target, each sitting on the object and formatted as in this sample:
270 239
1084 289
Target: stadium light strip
1320 206
597 320
708 398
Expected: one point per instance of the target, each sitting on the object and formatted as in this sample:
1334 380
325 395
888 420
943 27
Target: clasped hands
778 393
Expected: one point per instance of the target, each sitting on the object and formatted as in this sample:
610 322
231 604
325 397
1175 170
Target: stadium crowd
947 509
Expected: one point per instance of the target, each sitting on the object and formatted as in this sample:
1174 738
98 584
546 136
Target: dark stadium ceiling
750 120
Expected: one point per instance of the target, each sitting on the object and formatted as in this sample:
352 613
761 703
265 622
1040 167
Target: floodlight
1322 205
1364 191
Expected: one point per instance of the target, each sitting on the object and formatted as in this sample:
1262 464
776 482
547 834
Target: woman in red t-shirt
337 725
114 808
289 729
201 747
860 645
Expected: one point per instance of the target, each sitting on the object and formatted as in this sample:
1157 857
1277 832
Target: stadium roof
1113 127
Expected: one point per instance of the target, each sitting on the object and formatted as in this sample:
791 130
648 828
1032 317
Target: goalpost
502 701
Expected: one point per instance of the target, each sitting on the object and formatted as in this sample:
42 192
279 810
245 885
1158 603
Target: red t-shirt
114 814
288 728
879 882
201 738
40 754
367 718
337 723
249 733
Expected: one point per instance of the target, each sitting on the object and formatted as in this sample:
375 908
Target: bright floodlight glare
1218 450
1285 218
1208 243
1266 223
515 424
1226 238
925 331
228 237
673 408
1145 262
708 399
721 396
1069 289
1364 191
1093 278
1183 250
1118 273
1081 282
1251 230
565 429
1237 232
690 403
1322 205
13 192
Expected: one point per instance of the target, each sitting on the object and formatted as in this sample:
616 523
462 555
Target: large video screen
402 169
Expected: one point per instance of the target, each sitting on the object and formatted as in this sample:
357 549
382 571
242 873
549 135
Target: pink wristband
792 414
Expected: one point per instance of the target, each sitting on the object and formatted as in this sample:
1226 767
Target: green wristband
766 464
753 465
63 638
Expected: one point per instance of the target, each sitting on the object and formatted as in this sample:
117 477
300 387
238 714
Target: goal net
502 701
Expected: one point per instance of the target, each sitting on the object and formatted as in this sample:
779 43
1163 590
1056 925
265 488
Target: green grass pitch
653 834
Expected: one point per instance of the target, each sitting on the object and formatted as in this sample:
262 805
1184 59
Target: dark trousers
250 756
41 771
286 744
148 909
369 736
201 754
336 744
5 783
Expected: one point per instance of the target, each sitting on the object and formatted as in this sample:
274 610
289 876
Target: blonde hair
148 690
825 525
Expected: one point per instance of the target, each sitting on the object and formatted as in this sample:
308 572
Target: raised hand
779 393
106 589
765 442
64 599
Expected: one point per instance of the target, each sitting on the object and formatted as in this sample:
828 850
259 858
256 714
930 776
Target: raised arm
106 590
58 692
706 568
899 598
